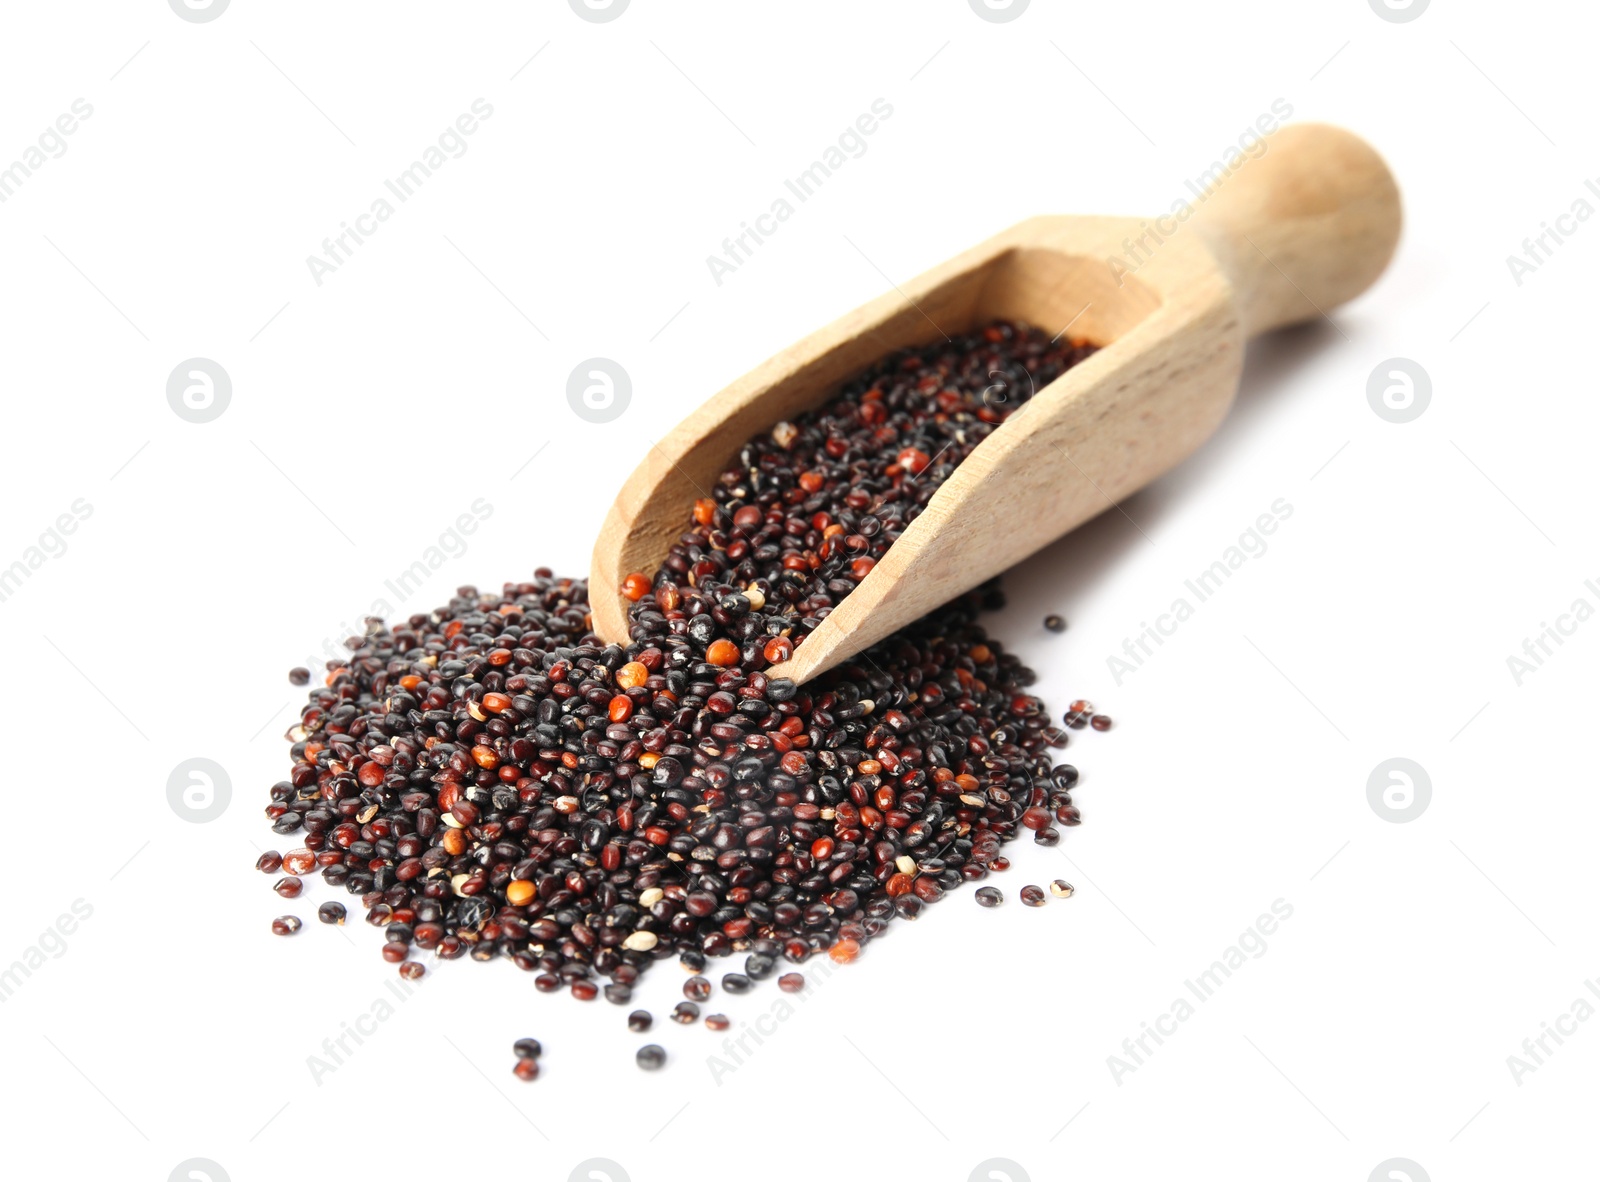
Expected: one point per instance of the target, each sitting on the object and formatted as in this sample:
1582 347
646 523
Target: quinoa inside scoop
499 782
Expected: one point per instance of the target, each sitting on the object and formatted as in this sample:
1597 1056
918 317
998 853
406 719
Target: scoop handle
1302 226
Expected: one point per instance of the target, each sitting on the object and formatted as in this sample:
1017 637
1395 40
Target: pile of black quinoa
493 780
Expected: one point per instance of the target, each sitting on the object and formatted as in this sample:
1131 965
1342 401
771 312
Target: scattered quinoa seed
650 1057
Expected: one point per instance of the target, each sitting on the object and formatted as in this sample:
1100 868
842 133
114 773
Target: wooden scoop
1290 233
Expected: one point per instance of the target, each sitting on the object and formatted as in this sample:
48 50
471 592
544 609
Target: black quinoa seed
651 1057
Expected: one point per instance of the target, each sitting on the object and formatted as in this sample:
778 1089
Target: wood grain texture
1287 236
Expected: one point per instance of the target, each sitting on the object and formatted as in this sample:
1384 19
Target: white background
370 411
